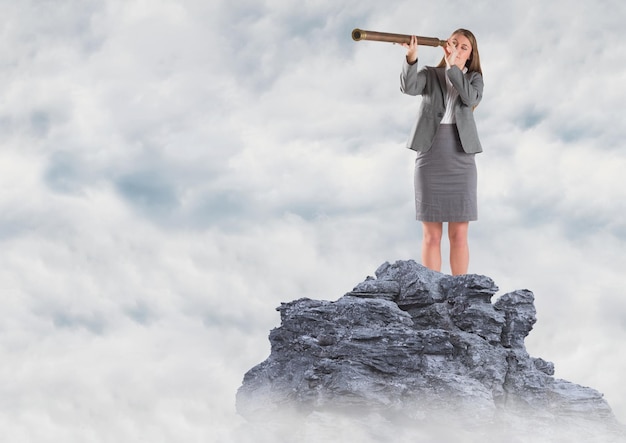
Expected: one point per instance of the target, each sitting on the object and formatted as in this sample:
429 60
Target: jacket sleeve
470 88
412 81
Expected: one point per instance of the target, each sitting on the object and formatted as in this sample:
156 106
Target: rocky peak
414 346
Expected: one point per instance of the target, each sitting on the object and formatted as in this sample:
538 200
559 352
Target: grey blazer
430 83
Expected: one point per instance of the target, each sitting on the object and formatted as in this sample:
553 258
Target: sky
172 170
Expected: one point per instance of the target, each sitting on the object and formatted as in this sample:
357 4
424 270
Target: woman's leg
431 245
459 247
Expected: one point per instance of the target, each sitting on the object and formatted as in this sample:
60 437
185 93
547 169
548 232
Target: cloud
173 170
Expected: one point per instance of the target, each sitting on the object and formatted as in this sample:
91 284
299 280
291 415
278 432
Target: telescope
360 34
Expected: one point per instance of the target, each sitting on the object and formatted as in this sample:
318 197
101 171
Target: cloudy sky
172 170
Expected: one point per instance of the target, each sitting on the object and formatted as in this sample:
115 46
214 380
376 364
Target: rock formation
416 350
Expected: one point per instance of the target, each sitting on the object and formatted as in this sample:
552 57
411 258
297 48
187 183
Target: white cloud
172 170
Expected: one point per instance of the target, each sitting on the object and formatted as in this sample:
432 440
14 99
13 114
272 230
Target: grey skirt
446 180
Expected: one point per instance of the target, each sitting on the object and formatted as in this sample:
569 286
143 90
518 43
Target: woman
446 140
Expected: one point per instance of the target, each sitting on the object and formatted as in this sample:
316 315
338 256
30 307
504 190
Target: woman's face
464 48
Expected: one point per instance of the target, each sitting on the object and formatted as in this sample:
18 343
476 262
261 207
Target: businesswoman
446 140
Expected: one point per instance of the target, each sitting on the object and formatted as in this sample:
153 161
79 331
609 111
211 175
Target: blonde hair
473 62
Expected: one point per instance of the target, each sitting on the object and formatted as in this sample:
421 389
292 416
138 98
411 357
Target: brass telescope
360 34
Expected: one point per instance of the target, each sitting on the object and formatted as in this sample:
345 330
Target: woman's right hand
411 53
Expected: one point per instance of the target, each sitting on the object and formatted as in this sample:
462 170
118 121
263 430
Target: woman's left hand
451 54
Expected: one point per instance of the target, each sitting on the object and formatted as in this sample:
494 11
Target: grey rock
412 347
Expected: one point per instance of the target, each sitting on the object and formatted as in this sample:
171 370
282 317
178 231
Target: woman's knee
457 233
432 233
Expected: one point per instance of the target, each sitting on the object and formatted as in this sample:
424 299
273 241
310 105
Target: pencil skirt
446 180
